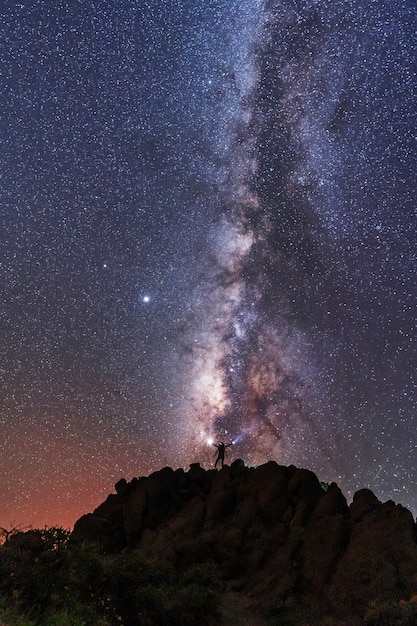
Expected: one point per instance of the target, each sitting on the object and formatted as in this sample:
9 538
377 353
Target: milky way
208 228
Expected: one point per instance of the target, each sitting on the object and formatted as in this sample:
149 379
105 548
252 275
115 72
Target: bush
46 580
153 592
43 577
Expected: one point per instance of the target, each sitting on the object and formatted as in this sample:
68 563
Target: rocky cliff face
275 535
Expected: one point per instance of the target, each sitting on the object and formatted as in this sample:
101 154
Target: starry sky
208 232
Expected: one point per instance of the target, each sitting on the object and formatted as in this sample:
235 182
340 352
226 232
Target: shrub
153 592
44 579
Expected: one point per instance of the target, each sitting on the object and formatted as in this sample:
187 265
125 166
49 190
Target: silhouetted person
221 451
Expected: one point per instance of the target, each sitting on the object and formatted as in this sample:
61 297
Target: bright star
146 299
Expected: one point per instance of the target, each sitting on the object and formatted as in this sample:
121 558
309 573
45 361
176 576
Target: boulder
379 564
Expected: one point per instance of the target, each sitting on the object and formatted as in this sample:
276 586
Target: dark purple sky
208 231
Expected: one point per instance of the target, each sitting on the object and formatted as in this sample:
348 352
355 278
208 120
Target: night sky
208 232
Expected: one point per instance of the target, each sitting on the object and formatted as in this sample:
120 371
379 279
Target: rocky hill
283 544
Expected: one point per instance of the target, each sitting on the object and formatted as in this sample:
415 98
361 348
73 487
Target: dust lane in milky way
306 350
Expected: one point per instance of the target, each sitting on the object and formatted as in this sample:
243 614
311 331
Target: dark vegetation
266 546
48 580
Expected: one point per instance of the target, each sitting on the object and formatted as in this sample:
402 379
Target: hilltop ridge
281 541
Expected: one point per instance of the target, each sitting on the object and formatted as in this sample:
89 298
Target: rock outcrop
273 532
